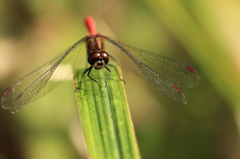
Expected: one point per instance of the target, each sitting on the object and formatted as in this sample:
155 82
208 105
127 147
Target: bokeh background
204 34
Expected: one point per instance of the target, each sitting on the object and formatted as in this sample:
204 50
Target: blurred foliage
204 34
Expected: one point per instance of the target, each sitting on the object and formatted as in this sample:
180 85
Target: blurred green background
204 34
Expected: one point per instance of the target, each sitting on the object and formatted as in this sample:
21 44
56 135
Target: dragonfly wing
164 73
42 80
163 85
178 73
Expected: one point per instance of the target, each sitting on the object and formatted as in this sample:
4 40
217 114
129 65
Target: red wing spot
7 90
18 96
179 90
190 69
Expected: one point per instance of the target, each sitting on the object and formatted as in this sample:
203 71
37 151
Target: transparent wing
43 79
166 74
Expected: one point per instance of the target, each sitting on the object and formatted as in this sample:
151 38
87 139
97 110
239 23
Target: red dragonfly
165 74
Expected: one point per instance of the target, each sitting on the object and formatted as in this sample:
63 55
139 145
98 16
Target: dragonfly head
98 59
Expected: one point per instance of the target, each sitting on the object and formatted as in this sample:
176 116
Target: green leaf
105 116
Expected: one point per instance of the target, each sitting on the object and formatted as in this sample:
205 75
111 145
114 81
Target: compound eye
104 55
93 57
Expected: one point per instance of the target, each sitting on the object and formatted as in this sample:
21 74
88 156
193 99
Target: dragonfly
166 74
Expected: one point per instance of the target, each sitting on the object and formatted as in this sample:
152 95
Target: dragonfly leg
88 71
117 73
80 82
88 74
110 72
